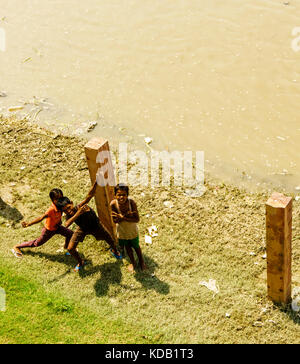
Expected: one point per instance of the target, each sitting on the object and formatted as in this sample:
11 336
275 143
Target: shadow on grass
9 213
111 275
57 258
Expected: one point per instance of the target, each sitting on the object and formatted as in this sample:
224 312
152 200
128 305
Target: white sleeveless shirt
126 230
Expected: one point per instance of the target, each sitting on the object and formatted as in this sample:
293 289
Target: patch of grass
209 237
34 316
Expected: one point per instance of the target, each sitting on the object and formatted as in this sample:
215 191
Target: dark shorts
99 234
134 243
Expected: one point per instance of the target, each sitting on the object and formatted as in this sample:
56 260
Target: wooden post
105 193
279 241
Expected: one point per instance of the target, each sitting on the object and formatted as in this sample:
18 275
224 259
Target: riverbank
219 236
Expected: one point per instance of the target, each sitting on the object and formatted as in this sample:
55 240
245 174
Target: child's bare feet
17 252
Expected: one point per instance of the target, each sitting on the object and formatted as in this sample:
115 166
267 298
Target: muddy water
210 75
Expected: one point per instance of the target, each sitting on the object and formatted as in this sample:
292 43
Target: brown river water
219 76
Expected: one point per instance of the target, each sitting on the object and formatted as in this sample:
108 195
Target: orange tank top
54 218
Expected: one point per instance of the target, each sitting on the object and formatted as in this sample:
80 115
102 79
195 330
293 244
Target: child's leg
135 243
102 234
77 237
131 257
45 236
141 259
122 247
67 233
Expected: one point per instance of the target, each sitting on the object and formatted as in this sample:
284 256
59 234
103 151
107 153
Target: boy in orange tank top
53 226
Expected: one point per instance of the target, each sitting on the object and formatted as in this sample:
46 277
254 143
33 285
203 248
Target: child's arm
114 213
36 221
132 216
90 195
80 211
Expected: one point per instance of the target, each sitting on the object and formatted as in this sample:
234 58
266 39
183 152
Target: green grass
34 316
204 238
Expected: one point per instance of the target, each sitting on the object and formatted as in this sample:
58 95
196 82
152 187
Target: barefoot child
125 215
88 224
52 226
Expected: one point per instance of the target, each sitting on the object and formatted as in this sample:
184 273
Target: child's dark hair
56 193
122 187
63 202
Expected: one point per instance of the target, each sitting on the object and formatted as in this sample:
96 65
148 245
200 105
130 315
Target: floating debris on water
15 108
27 59
148 140
3 94
79 131
280 138
92 125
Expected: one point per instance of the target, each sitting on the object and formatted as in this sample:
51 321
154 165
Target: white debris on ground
296 304
296 299
211 285
169 204
152 232
148 239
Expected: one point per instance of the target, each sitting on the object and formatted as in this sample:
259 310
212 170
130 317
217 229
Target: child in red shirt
53 226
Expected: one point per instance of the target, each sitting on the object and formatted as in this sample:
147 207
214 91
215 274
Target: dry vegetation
219 236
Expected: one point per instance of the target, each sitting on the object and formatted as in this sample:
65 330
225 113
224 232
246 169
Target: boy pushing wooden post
103 181
98 159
